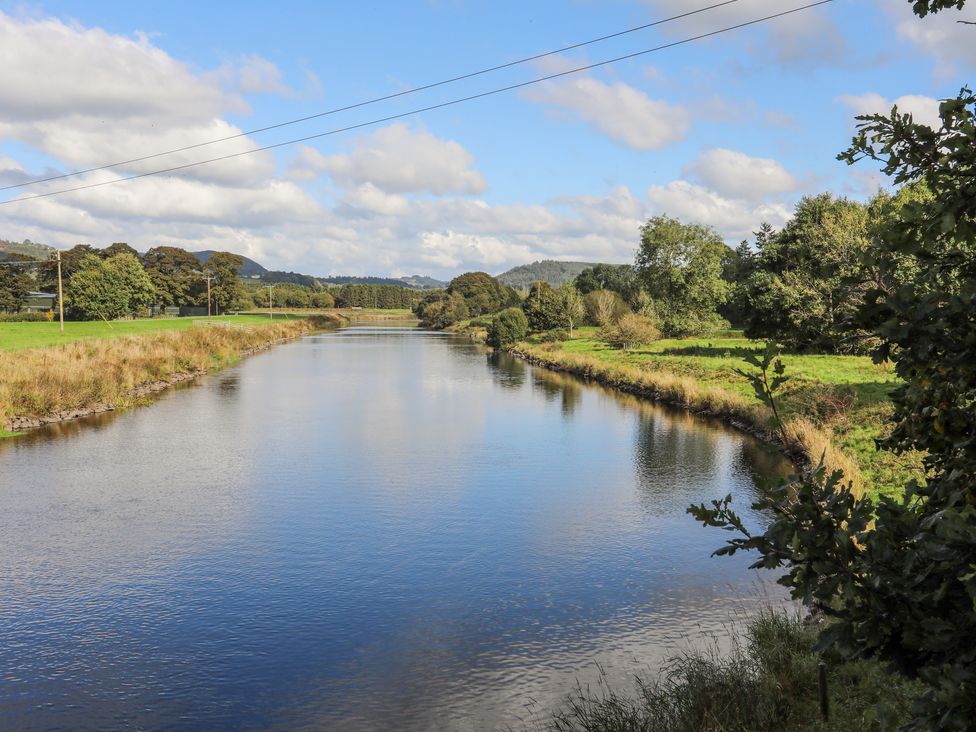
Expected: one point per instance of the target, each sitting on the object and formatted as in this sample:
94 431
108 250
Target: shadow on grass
719 351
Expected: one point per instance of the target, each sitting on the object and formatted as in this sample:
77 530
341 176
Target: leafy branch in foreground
898 577
765 387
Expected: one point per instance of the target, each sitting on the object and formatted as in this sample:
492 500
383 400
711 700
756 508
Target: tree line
117 281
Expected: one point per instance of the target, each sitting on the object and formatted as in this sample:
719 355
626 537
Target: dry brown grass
77 375
801 438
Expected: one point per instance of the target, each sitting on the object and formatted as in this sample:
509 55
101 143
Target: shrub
508 327
631 331
556 335
604 307
26 317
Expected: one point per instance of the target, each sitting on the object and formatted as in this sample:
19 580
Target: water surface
379 528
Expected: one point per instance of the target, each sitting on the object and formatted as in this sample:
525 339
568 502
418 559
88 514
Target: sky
729 131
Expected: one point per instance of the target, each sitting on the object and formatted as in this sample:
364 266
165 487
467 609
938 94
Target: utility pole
209 279
270 288
60 292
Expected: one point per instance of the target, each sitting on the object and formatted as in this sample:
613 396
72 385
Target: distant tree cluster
383 297
469 295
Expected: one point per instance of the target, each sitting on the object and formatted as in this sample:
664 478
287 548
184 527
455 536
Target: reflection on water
375 528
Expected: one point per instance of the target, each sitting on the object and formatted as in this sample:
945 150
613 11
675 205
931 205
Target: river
377 528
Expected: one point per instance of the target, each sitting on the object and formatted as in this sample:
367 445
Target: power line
421 110
368 102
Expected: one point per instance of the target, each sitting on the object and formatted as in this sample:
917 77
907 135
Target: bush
556 335
508 327
604 307
26 317
631 331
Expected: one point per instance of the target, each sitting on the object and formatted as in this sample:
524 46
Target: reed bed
801 438
82 375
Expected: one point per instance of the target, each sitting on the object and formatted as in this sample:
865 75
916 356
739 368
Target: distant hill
414 282
548 270
423 282
25 248
250 268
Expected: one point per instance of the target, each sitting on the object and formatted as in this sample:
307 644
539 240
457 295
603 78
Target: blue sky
729 131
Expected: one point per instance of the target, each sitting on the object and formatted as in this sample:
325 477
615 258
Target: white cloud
804 39
257 75
451 249
733 219
397 159
924 110
737 175
371 199
948 42
618 110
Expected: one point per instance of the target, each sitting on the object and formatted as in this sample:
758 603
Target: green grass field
847 395
20 336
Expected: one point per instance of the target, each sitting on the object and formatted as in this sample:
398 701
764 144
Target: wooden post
60 293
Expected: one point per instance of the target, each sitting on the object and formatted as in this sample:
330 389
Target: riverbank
768 682
94 374
836 406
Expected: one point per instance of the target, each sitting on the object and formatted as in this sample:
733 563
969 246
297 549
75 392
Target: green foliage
543 307
805 282
227 291
621 278
322 299
509 326
924 7
630 331
15 283
680 266
108 289
442 312
175 275
118 247
482 293
899 577
377 297
764 387
767 682
571 304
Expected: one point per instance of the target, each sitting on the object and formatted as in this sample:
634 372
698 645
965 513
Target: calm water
379 528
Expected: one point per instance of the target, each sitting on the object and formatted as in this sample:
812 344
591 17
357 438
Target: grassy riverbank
21 336
833 404
94 372
768 683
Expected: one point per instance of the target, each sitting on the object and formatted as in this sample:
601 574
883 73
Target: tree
898 577
509 326
571 303
175 274
444 312
807 280
227 291
108 289
482 293
680 266
620 278
322 299
630 331
119 247
604 307
543 307
15 283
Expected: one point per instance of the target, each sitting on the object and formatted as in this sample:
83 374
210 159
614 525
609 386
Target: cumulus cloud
618 110
804 39
737 175
924 110
107 97
734 219
949 43
397 159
